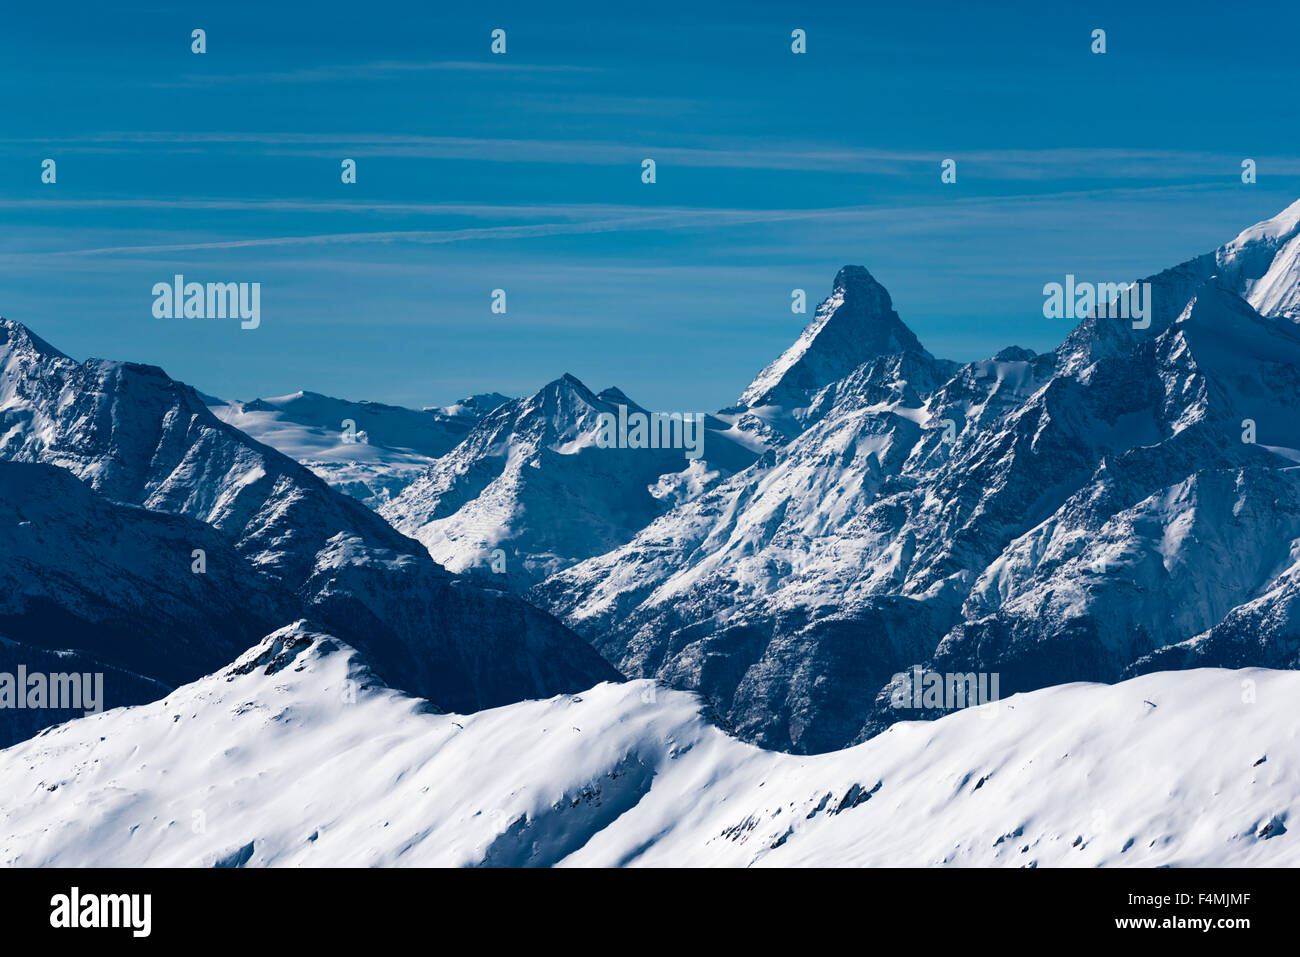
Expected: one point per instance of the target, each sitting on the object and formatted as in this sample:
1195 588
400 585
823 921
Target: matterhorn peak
854 325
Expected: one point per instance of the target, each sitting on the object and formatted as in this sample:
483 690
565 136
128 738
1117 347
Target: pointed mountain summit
854 325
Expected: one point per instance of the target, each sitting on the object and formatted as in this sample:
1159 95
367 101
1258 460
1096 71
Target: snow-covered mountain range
1108 527
297 755
532 481
864 507
279 542
1126 502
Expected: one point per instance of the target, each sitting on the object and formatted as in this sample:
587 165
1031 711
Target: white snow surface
1267 258
384 452
298 755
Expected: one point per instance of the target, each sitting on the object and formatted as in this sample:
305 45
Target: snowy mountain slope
532 481
963 524
1165 539
136 436
1262 630
1263 264
296 755
369 450
471 408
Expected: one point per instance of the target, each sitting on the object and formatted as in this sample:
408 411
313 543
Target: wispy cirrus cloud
351 72
1048 210
1158 165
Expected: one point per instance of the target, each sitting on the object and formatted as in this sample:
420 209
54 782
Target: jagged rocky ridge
1078 515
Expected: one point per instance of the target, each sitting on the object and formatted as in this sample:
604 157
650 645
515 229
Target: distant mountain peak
565 402
15 336
1014 354
615 395
160 462
569 384
472 406
854 325
1263 264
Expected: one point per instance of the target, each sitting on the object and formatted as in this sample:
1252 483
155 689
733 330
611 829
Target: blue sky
523 172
